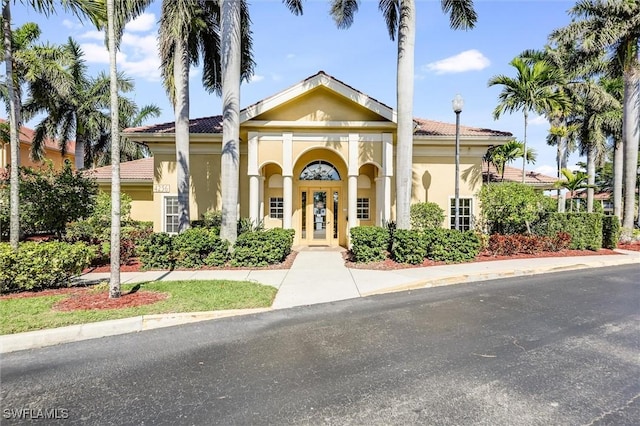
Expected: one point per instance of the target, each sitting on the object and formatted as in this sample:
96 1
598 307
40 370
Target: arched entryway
320 209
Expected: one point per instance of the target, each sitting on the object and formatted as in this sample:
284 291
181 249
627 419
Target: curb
74 333
494 275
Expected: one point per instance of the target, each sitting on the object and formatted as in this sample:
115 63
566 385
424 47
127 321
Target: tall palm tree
82 8
234 28
190 32
532 90
400 18
613 28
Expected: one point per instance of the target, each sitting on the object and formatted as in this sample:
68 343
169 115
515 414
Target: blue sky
289 48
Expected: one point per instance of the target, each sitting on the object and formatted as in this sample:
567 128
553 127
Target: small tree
426 216
510 207
50 199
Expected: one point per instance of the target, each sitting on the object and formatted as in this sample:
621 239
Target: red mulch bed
91 300
389 264
634 246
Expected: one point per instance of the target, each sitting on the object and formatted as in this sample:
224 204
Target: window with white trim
465 216
276 207
171 215
362 208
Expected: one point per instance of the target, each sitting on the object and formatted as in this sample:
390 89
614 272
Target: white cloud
95 53
256 78
290 56
93 35
144 22
546 170
539 120
71 25
469 60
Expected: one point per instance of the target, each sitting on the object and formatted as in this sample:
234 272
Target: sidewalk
316 276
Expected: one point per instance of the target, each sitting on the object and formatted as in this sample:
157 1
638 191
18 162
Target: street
555 349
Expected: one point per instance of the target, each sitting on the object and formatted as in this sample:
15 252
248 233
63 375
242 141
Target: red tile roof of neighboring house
438 128
136 170
27 135
583 194
513 174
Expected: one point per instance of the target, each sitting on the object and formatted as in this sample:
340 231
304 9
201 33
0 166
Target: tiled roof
136 170
438 128
27 134
513 174
196 125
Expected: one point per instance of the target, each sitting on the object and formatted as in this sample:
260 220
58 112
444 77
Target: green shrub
261 248
425 216
611 231
37 266
156 251
510 207
409 246
369 243
197 247
585 229
451 246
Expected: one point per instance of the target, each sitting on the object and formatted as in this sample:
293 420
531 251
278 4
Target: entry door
320 216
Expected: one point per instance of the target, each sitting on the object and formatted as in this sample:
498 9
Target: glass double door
320 209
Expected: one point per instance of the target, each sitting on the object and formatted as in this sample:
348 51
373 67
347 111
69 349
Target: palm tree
532 90
400 18
612 28
572 183
190 31
502 155
234 27
82 8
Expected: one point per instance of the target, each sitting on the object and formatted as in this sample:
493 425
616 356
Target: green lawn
36 313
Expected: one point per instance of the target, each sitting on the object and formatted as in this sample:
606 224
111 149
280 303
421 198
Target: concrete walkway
316 276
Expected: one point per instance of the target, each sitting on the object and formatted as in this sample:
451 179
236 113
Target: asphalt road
558 349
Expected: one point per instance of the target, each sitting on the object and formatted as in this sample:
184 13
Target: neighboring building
604 198
317 157
52 151
136 180
513 174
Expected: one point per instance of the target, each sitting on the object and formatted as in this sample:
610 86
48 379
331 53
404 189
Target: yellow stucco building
317 157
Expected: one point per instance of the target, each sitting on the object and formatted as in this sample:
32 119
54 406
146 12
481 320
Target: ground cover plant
36 311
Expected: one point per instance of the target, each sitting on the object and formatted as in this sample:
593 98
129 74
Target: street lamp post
457 104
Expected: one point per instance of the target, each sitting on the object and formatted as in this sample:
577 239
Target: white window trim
163 212
471 213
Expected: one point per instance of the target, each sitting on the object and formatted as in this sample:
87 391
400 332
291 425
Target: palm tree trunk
618 172
591 175
230 157
14 128
181 107
114 283
406 53
524 148
79 153
631 139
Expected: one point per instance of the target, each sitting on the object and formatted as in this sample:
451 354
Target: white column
261 197
254 174
379 201
353 169
287 179
387 172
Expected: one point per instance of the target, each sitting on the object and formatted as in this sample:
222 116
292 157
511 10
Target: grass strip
37 313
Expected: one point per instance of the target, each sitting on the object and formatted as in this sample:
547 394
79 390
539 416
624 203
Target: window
276 207
363 208
320 170
171 222
464 214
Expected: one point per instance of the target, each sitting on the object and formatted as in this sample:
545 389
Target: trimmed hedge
261 248
611 231
409 246
198 247
585 229
369 243
451 246
37 266
156 251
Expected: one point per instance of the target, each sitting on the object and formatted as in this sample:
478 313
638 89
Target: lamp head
457 103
